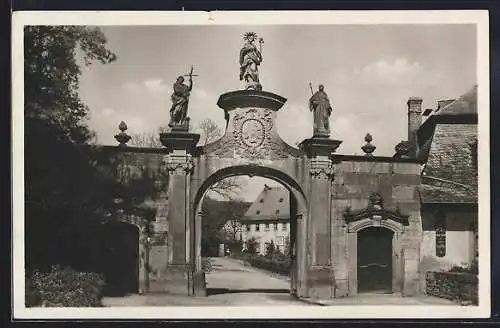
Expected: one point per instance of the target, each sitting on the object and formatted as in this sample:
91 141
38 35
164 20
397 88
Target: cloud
396 73
154 85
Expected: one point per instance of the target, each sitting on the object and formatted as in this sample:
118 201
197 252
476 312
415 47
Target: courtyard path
232 283
229 283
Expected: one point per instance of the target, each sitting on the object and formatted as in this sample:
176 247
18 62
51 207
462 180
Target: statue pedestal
178 139
177 278
321 271
319 146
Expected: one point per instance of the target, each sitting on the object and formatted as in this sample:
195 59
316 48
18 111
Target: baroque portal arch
251 146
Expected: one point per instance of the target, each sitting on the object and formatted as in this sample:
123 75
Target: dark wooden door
375 260
120 258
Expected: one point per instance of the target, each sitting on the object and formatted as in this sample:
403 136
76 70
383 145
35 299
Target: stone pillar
180 266
320 271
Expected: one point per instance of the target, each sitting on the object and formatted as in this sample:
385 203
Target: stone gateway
355 221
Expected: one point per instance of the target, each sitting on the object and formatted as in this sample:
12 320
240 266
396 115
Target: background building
268 219
447 144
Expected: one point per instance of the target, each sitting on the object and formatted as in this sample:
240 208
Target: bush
64 287
471 268
269 264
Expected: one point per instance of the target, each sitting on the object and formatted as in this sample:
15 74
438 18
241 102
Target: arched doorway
298 219
119 258
374 263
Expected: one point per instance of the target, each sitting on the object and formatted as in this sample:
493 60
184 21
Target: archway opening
258 247
374 263
119 258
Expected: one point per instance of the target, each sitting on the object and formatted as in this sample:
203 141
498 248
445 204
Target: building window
281 200
277 212
258 212
283 227
275 227
245 227
267 227
261 200
440 234
280 240
257 227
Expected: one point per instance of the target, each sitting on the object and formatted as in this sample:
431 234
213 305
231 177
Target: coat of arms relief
252 133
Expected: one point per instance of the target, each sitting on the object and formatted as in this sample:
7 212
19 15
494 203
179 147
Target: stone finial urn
122 137
368 148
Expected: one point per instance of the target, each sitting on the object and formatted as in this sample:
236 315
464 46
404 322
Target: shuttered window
440 234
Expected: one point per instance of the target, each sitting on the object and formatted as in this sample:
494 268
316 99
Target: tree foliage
251 246
270 248
148 140
64 189
215 215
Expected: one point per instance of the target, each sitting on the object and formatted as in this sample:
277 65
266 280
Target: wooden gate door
375 260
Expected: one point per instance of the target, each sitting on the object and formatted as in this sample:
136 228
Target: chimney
444 103
414 121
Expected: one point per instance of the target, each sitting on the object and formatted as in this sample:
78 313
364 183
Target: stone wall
454 286
132 161
356 178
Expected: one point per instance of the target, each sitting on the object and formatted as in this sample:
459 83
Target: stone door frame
298 217
397 252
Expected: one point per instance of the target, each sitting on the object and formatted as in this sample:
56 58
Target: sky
369 72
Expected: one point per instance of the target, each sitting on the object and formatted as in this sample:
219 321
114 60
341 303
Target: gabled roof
271 204
465 104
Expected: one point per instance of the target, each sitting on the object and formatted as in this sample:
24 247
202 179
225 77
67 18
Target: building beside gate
446 144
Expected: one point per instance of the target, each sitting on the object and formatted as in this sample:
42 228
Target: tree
232 228
251 246
288 248
213 219
270 248
64 190
215 228
209 131
147 140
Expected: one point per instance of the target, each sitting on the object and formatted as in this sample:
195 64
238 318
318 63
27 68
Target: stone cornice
321 169
376 214
179 164
375 211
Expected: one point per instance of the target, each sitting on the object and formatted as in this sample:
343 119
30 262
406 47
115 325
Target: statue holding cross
180 100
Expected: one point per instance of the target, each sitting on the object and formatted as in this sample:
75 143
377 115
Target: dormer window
261 200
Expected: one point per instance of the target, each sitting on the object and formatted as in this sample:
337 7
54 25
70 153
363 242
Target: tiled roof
451 154
446 194
271 204
465 104
447 147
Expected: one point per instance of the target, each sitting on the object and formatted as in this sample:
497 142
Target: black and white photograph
251 165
